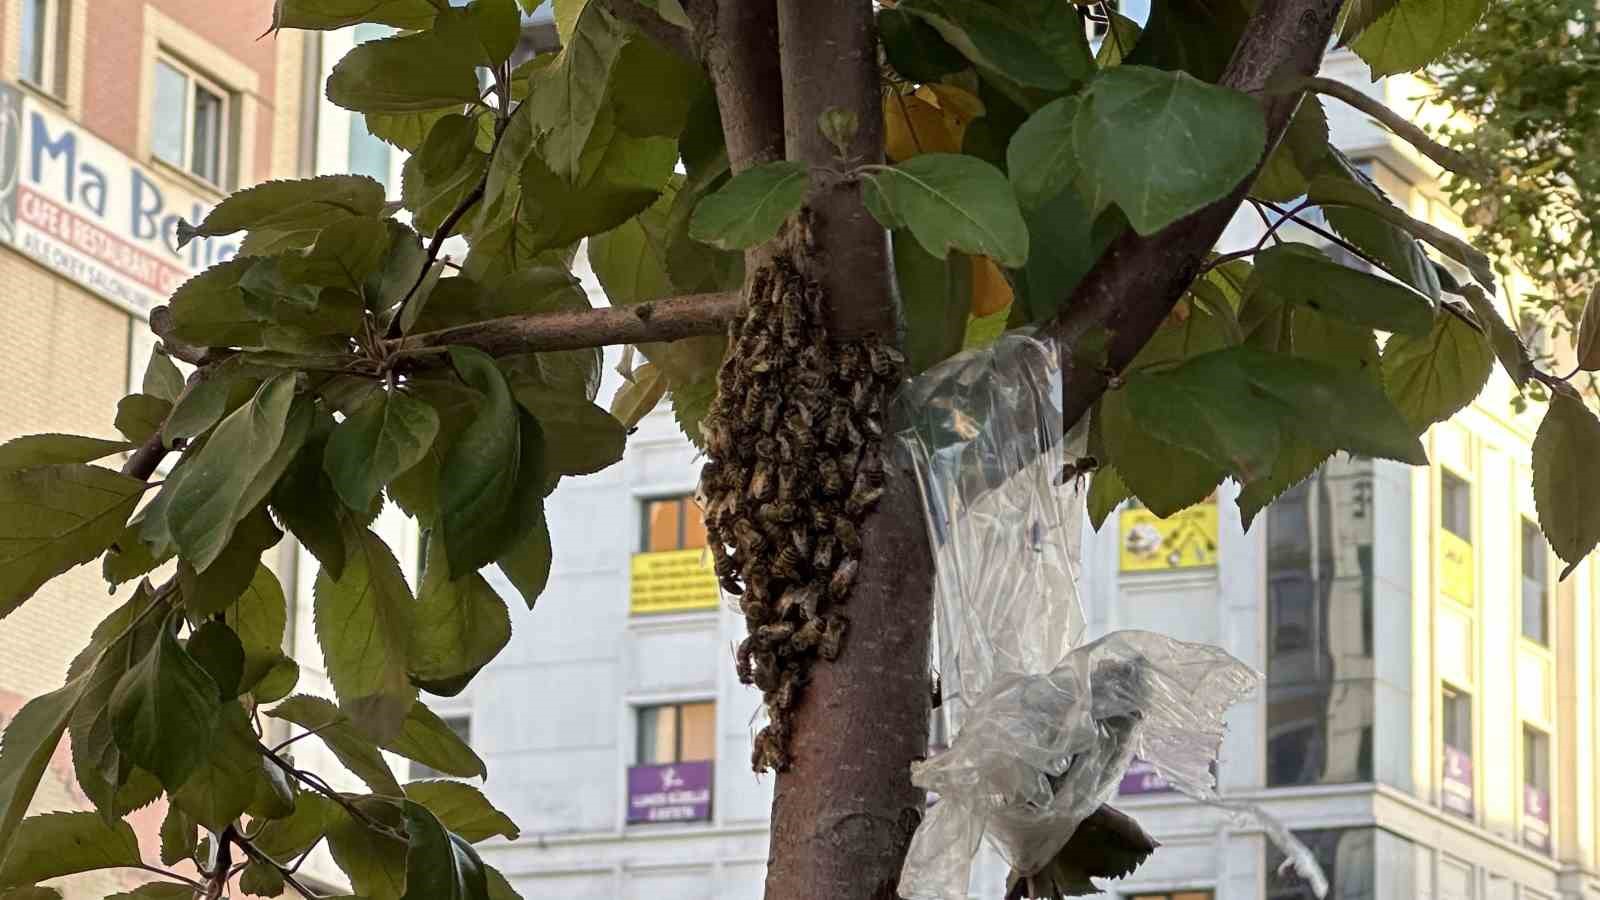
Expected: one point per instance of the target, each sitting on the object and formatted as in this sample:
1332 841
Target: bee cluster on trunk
794 439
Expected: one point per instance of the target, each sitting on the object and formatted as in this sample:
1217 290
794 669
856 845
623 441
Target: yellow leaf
991 292
913 126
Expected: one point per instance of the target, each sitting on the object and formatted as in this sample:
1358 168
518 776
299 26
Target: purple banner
1455 793
1536 818
1142 778
674 792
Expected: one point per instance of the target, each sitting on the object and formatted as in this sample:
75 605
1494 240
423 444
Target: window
673 523
1536 788
1535 584
190 127
1176 895
1535 758
1456 787
1455 505
1457 717
43 42
462 726
368 155
677 732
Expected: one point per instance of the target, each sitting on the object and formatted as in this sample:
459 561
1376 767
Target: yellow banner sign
1184 540
1456 566
673 581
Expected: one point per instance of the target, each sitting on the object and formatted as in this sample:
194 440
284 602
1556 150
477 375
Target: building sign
1536 818
1455 793
674 792
1455 568
1142 778
673 581
78 206
1184 540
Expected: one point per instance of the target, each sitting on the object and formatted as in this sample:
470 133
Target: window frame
1527 527
1449 480
51 51
1188 893
228 122
685 503
677 707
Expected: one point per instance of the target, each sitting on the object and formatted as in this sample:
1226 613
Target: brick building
116 118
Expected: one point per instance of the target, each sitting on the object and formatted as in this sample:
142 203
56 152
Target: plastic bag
1045 726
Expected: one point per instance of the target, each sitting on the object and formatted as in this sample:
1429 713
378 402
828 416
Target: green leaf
161 377
1286 175
55 517
210 592
26 746
259 617
206 505
363 622
916 49
1296 462
428 740
1040 158
462 808
209 309
440 865
950 202
140 415
1430 378
345 254
305 501
1414 33
219 652
488 30
1347 188
1162 145
204 406
637 397
164 712
653 89
580 438
405 74
621 176
288 837
98 763
565 98
459 626
527 564
440 176
374 862
278 682
228 779
751 207
354 750
66 843
33 450
1165 478
329 15
287 206
1330 406
1002 41
36 893
179 836
935 295
1303 274
385 436
1564 491
1507 344
1587 340
260 880
1075 238
1206 406
1106 492
157 890
475 487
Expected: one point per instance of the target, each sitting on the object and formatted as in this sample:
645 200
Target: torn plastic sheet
1045 725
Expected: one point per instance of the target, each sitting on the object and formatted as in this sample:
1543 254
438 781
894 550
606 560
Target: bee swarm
793 438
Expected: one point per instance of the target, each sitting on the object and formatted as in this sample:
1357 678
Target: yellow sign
1184 540
673 581
1455 568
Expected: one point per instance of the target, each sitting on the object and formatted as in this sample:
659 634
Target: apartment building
117 117
1427 725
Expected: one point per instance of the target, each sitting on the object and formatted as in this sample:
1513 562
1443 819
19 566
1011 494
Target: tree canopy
1026 177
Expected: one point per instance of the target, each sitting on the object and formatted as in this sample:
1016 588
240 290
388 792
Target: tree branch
1402 127
1127 295
654 27
737 41
669 319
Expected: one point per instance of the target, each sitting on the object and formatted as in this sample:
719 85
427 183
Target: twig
669 319
284 872
164 873
1402 127
314 782
1271 233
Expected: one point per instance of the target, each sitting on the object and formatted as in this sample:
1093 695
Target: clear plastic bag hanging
1044 725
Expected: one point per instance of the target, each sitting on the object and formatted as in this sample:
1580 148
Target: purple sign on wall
1455 793
1536 818
674 792
1142 778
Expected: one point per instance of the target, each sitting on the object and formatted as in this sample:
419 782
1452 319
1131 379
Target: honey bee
822 560
788 482
829 477
770 412
851 365
844 578
838 426
884 359
788 564
750 539
779 513
863 496
756 613
774 634
767 448
861 393
803 597
794 327
871 469
849 538
814 304
806 636
785 447
742 665
761 481
821 519
799 428
832 638
755 399
788 691
766 670
801 538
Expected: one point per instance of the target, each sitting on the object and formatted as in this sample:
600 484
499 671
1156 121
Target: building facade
117 117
